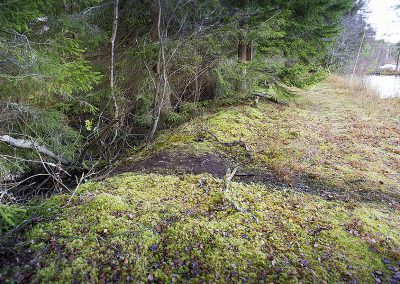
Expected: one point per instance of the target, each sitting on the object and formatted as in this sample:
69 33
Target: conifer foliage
173 58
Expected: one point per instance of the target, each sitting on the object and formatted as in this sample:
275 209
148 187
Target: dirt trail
173 163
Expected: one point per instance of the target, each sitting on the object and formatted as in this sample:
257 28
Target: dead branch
228 179
112 61
263 95
97 138
231 144
33 145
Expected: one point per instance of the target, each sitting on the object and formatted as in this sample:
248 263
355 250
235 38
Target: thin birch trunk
112 63
358 57
157 104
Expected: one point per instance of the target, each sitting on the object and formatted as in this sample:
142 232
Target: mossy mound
152 228
346 142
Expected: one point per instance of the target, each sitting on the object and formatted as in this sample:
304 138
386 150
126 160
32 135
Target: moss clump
140 228
11 216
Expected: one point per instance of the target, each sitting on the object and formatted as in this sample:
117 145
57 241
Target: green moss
11 216
170 228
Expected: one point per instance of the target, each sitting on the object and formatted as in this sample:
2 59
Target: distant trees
347 44
356 51
398 57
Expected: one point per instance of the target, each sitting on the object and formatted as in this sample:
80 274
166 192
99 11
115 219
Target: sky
385 19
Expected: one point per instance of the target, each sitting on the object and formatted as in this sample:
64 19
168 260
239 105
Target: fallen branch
245 175
228 179
263 95
32 145
232 144
266 96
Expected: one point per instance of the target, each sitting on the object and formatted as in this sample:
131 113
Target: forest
196 141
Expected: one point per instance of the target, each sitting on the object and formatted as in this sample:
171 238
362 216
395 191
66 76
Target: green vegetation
62 86
193 141
143 227
177 228
340 135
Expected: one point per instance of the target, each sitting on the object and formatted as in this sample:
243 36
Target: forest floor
316 198
333 140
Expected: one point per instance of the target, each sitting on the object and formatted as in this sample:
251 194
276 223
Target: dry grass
364 93
356 87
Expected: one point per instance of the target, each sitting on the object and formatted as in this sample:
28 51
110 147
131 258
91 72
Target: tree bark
249 51
241 47
241 50
196 84
154 15
358 56
398 62
113 37
32 145
162 95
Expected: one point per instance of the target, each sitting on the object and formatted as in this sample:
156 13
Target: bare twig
228 179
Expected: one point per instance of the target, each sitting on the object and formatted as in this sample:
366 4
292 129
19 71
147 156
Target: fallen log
33 145
263 95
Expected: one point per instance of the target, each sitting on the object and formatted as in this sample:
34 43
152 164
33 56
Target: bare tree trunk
249 51
387 53
241 50
398 62
196 84
358 56
154 15
162 96
113 37
242 47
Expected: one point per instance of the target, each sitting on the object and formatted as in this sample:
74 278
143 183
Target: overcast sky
385 19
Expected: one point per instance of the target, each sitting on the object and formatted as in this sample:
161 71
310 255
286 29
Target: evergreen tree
170 57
